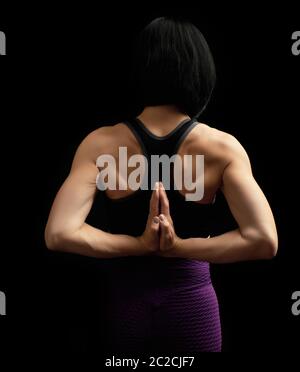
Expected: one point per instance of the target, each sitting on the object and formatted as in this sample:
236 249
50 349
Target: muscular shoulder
216 145
105 140
100 136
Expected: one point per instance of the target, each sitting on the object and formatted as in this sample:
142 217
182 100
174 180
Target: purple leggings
164 308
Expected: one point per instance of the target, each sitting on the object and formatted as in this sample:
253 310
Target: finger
164 224
154 202
165 231
165 208
155 223
165 204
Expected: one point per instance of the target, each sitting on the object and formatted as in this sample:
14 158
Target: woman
161 295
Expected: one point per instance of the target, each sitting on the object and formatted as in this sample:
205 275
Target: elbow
263 245
54 240
267 247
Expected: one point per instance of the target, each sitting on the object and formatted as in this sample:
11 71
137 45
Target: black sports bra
128 215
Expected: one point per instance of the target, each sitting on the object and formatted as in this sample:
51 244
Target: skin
227 167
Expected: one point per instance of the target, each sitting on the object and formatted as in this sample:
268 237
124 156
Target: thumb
164 224
165 236
155 224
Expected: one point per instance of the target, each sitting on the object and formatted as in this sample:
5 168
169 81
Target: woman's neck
161 119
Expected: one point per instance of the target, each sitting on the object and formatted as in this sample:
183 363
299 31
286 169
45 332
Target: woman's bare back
202 140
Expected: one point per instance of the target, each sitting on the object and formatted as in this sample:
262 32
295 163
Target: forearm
226 248
93 242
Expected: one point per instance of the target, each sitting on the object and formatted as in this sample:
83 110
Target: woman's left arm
256 236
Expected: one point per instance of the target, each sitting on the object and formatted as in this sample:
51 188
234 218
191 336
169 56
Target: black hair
172 64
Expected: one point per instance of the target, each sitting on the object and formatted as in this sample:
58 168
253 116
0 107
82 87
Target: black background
65 75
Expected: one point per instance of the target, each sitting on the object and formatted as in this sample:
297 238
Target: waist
149 271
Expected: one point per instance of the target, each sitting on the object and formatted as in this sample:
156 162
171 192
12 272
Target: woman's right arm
66 229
